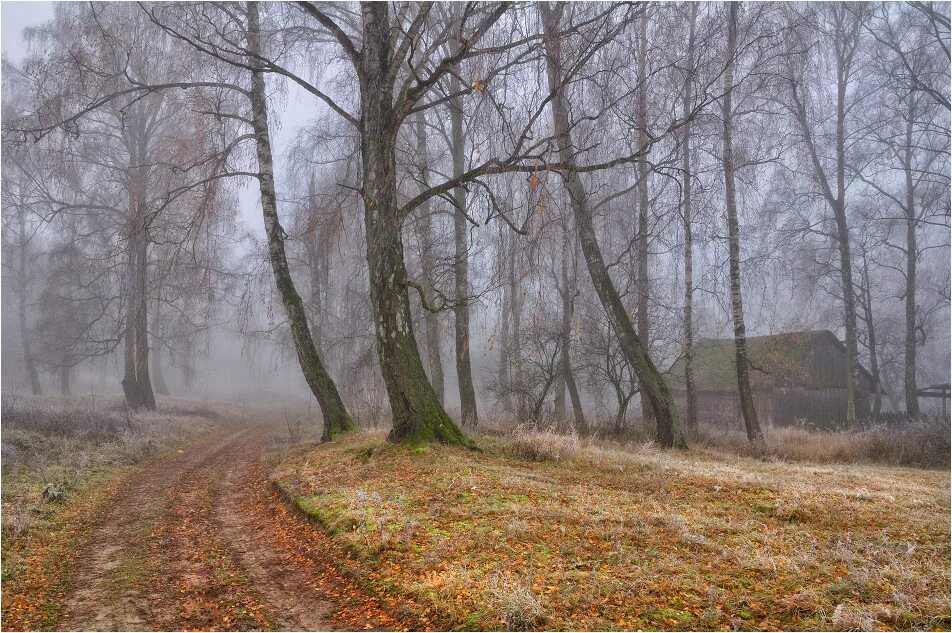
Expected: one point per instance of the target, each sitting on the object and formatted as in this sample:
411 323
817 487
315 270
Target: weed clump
542 446
519 608
847 618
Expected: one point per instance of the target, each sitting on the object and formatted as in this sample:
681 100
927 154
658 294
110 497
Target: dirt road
199 540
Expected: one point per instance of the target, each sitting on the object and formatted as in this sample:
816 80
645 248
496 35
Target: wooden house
796 377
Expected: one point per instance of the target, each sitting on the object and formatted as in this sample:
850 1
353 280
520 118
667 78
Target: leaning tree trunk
336 418
911 389
686 210
670 433
418 416
643 284
424 231
464 367
754 433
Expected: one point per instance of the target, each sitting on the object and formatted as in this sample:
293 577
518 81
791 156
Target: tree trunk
670 433
161 387
569 284
581 424
565 335
845 50
336 418
464 368
849 305
136 383
515 306
64 380
643 285
503 381
686 210
622 412
909 371
424 230
154 356
418 416
754 433
317 267
842 228
35 387
867 305
28 361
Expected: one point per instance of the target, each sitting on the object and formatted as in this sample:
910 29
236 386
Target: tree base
432 427
337 426
138 396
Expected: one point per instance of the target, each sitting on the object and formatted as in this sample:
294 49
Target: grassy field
542 531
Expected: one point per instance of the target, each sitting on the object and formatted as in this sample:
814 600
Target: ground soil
199 539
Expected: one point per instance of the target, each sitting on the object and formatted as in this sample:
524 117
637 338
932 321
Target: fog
139 256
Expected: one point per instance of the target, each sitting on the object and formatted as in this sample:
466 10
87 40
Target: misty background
244 353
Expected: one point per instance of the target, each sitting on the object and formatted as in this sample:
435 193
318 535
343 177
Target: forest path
198 539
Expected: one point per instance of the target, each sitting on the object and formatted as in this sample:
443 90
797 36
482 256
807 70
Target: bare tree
687 218
669 427
845 24
336 418
754 433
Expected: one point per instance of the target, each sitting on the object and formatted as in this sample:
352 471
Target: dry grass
61 444
553 532
921 443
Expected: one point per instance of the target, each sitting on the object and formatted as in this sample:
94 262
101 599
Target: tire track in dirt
105 595
198 540
294 563
295 597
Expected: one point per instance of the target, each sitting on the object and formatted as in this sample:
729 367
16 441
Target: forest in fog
447 215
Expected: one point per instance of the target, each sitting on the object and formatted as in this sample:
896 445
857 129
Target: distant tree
754 432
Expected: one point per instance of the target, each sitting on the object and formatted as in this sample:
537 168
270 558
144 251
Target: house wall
827 370
722 408
782 406
820 408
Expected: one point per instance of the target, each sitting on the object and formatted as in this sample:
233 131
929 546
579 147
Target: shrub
540 446
519 608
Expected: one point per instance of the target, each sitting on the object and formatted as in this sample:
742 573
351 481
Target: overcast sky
292 111
16 16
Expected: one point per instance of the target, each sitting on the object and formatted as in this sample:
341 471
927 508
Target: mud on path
199 540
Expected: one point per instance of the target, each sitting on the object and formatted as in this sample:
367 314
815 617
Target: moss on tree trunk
418 416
